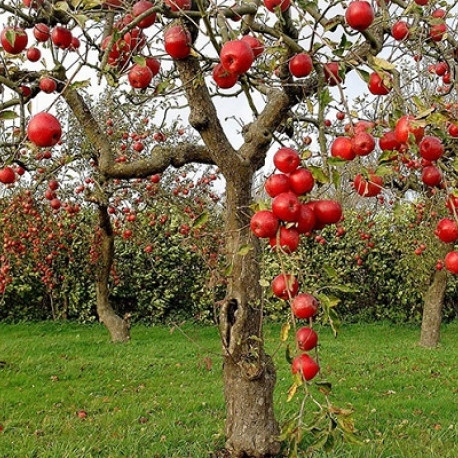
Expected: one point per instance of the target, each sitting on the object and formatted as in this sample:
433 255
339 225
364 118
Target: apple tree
282 65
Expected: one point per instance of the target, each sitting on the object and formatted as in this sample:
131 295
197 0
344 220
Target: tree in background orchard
277 59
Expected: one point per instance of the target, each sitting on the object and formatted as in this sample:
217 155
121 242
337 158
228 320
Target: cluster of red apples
283 225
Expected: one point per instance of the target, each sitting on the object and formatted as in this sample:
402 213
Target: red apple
431 148
405 126
140 76
223 78
14 40
431 176
48 85
41 32
327 211
177 5
33 54
256 46
276 184
153 64
342 147
388 142
236 56
44 130
281 5
141 7
437 31
177 42
368 188
453 130
7 175
306 220
307 339
447 230
304 306
301 181
285 286
400 30
264 224
331 73
359 15
306 366
61 37
287 239
379 83
451 262
301 65
362 144
286 160
286 206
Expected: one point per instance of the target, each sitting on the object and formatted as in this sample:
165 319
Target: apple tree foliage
288 64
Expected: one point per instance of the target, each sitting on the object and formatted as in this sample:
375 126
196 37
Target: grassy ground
161 395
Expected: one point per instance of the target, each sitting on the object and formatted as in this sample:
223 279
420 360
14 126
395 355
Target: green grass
157 396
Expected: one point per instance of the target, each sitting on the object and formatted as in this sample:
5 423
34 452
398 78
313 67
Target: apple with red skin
439 13
75 44
286 160
377 84
300 65
342 147
14 40
53 185
236 56
276 184
284 286
223 78
61 37
306 366
48 85
272 5
400 30
421 2
447 230
41 32
33 3
287 239
331 73
7 175
264 224
406 126
306 220
389 142
286 206
327 211
256 46
431 176
141 7
451 262
441 68
44 130
453 130
81 414
368 188
359 15
362 144
437 31
55 204
177 5
33 54
140 76
301 181
153 64
306 338
177 42
431 148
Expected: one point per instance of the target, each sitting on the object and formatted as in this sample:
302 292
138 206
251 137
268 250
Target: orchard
352 104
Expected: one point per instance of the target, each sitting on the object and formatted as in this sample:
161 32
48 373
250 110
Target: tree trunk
249 374
432 310
117 327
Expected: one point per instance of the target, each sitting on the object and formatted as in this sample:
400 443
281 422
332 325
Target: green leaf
228 270
288 355
383 171
330 271
80 84
318 174
8 114
201 220
139 60
363 75
63 6
284 332
387 156
383 64
264 283
325 98
244 250
345 288
336 161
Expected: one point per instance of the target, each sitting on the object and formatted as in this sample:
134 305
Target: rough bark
117 327
249 374
432 310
